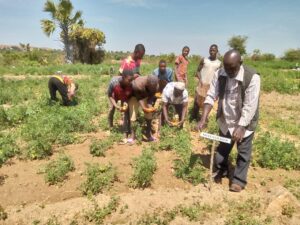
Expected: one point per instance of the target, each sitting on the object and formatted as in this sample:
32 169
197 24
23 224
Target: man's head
139 52
185 51
152 84
213 51
232 62
162 65
179 88
127 78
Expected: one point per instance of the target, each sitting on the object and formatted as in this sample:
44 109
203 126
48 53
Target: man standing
175 94
164 74
237 87
133 61
205 73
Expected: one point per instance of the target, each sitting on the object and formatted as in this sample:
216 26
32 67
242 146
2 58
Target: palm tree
62 17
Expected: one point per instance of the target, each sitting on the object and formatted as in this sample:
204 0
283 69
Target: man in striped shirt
237 88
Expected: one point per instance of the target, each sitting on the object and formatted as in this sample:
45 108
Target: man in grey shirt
237 88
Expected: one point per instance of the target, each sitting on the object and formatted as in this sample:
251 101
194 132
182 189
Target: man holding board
237 88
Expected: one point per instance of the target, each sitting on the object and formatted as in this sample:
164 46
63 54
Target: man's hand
238 133
149 110
202 125
180 123
169 123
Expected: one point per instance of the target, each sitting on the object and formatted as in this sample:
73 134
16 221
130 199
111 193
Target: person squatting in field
236 87
174 95
144 89
205 73
181 66
120 90
133 61
65 86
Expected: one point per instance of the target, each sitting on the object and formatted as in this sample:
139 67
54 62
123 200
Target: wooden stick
212 153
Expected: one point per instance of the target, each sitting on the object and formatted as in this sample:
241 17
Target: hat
179 86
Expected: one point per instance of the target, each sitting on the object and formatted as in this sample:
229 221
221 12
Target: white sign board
215 137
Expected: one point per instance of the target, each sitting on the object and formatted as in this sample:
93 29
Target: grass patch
8 148
98 214
248 212
144 168
293 186
272 153
99 178
99 147
56 171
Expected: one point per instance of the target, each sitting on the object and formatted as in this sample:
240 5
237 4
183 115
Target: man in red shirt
133 61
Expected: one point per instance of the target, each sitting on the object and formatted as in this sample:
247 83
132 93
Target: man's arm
177 63
183 113
212 96
249 108
165 112
200 66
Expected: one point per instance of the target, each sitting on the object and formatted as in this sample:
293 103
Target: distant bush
292 55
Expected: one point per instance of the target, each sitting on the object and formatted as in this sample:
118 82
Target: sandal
130 141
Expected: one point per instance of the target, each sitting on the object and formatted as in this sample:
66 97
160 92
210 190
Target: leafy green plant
293 185
99 178
56 171
99 147
98 214
8 148
144 168
271 152
53 220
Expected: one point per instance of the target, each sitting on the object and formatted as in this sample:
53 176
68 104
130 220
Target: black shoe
218 175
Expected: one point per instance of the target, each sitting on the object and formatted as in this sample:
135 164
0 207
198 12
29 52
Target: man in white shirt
237 88
174 94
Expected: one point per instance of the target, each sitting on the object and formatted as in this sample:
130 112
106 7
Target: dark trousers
243 159
126 120
55 85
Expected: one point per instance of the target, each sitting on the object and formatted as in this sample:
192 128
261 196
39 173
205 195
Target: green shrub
272 153
8 148
144 168
56 171
98 179
98 214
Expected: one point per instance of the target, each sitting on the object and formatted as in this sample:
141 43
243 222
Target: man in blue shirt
164 74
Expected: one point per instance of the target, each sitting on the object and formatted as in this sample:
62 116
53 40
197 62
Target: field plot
60 165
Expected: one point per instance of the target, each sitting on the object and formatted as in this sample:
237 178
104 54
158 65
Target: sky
273 26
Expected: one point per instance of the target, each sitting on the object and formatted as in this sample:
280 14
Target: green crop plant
56 171
144 167
271 152
98 214
99 178
8 147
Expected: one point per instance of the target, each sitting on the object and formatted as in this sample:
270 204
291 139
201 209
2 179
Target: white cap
179 86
